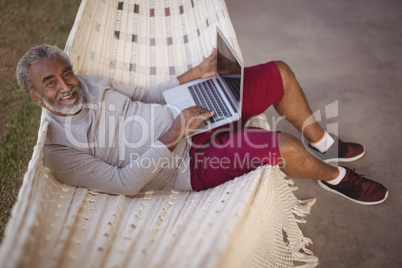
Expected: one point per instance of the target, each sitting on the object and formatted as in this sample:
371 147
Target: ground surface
350 52
23 24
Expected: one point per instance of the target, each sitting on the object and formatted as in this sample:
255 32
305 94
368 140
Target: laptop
221 93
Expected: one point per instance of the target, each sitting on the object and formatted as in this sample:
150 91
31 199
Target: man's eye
50 83
68 74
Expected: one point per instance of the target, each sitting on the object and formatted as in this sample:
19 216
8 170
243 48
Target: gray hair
35 54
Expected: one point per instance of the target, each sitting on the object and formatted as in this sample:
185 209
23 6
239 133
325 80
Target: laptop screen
229 69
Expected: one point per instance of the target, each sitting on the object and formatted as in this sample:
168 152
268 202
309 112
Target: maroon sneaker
358 189
340 151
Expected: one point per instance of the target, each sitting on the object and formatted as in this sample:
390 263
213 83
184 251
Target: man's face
58 89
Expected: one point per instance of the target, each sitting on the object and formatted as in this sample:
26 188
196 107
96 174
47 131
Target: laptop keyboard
206 94
234 85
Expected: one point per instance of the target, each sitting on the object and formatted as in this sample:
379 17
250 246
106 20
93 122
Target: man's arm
189 119
76 168
154 94
184 124
80 169
205 69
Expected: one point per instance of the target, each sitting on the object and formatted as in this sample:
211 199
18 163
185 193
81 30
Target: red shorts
230 151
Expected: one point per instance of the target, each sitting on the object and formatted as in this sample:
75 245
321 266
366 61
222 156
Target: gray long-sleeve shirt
112 144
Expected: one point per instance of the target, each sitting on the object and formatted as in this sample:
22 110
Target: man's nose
64 86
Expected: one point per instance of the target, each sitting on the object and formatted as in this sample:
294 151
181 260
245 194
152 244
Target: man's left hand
204 70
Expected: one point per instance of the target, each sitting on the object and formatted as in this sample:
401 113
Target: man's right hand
184 124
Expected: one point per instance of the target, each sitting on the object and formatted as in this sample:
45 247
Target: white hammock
247 222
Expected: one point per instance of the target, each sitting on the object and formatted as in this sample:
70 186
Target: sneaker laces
356 179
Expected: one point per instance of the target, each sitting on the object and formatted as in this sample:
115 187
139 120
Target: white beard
55 106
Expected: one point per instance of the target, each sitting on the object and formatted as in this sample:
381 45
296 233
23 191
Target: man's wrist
190 75
170 139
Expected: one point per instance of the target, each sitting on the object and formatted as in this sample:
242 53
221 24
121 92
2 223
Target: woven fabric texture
143 43
251 221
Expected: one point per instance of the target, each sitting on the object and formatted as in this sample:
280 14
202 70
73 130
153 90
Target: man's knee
288 144
285 70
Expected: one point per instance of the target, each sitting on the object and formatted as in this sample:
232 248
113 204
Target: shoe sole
345 160
323 186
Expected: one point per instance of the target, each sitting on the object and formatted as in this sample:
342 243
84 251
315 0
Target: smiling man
119 139
57 88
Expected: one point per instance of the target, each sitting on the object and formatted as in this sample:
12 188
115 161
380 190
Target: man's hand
208 66
204 70
184 124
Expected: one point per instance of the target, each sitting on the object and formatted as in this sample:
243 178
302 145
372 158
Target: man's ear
36 97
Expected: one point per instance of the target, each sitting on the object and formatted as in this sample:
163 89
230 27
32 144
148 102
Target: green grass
23 24
17 144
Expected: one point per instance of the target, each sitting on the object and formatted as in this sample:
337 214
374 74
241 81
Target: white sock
342 173
324 143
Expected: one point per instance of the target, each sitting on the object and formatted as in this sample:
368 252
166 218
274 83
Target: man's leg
295 107
264 85
299 163
235 153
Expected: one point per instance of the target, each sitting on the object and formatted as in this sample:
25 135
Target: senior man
119 139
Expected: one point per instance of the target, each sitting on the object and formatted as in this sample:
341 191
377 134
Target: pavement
347 54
